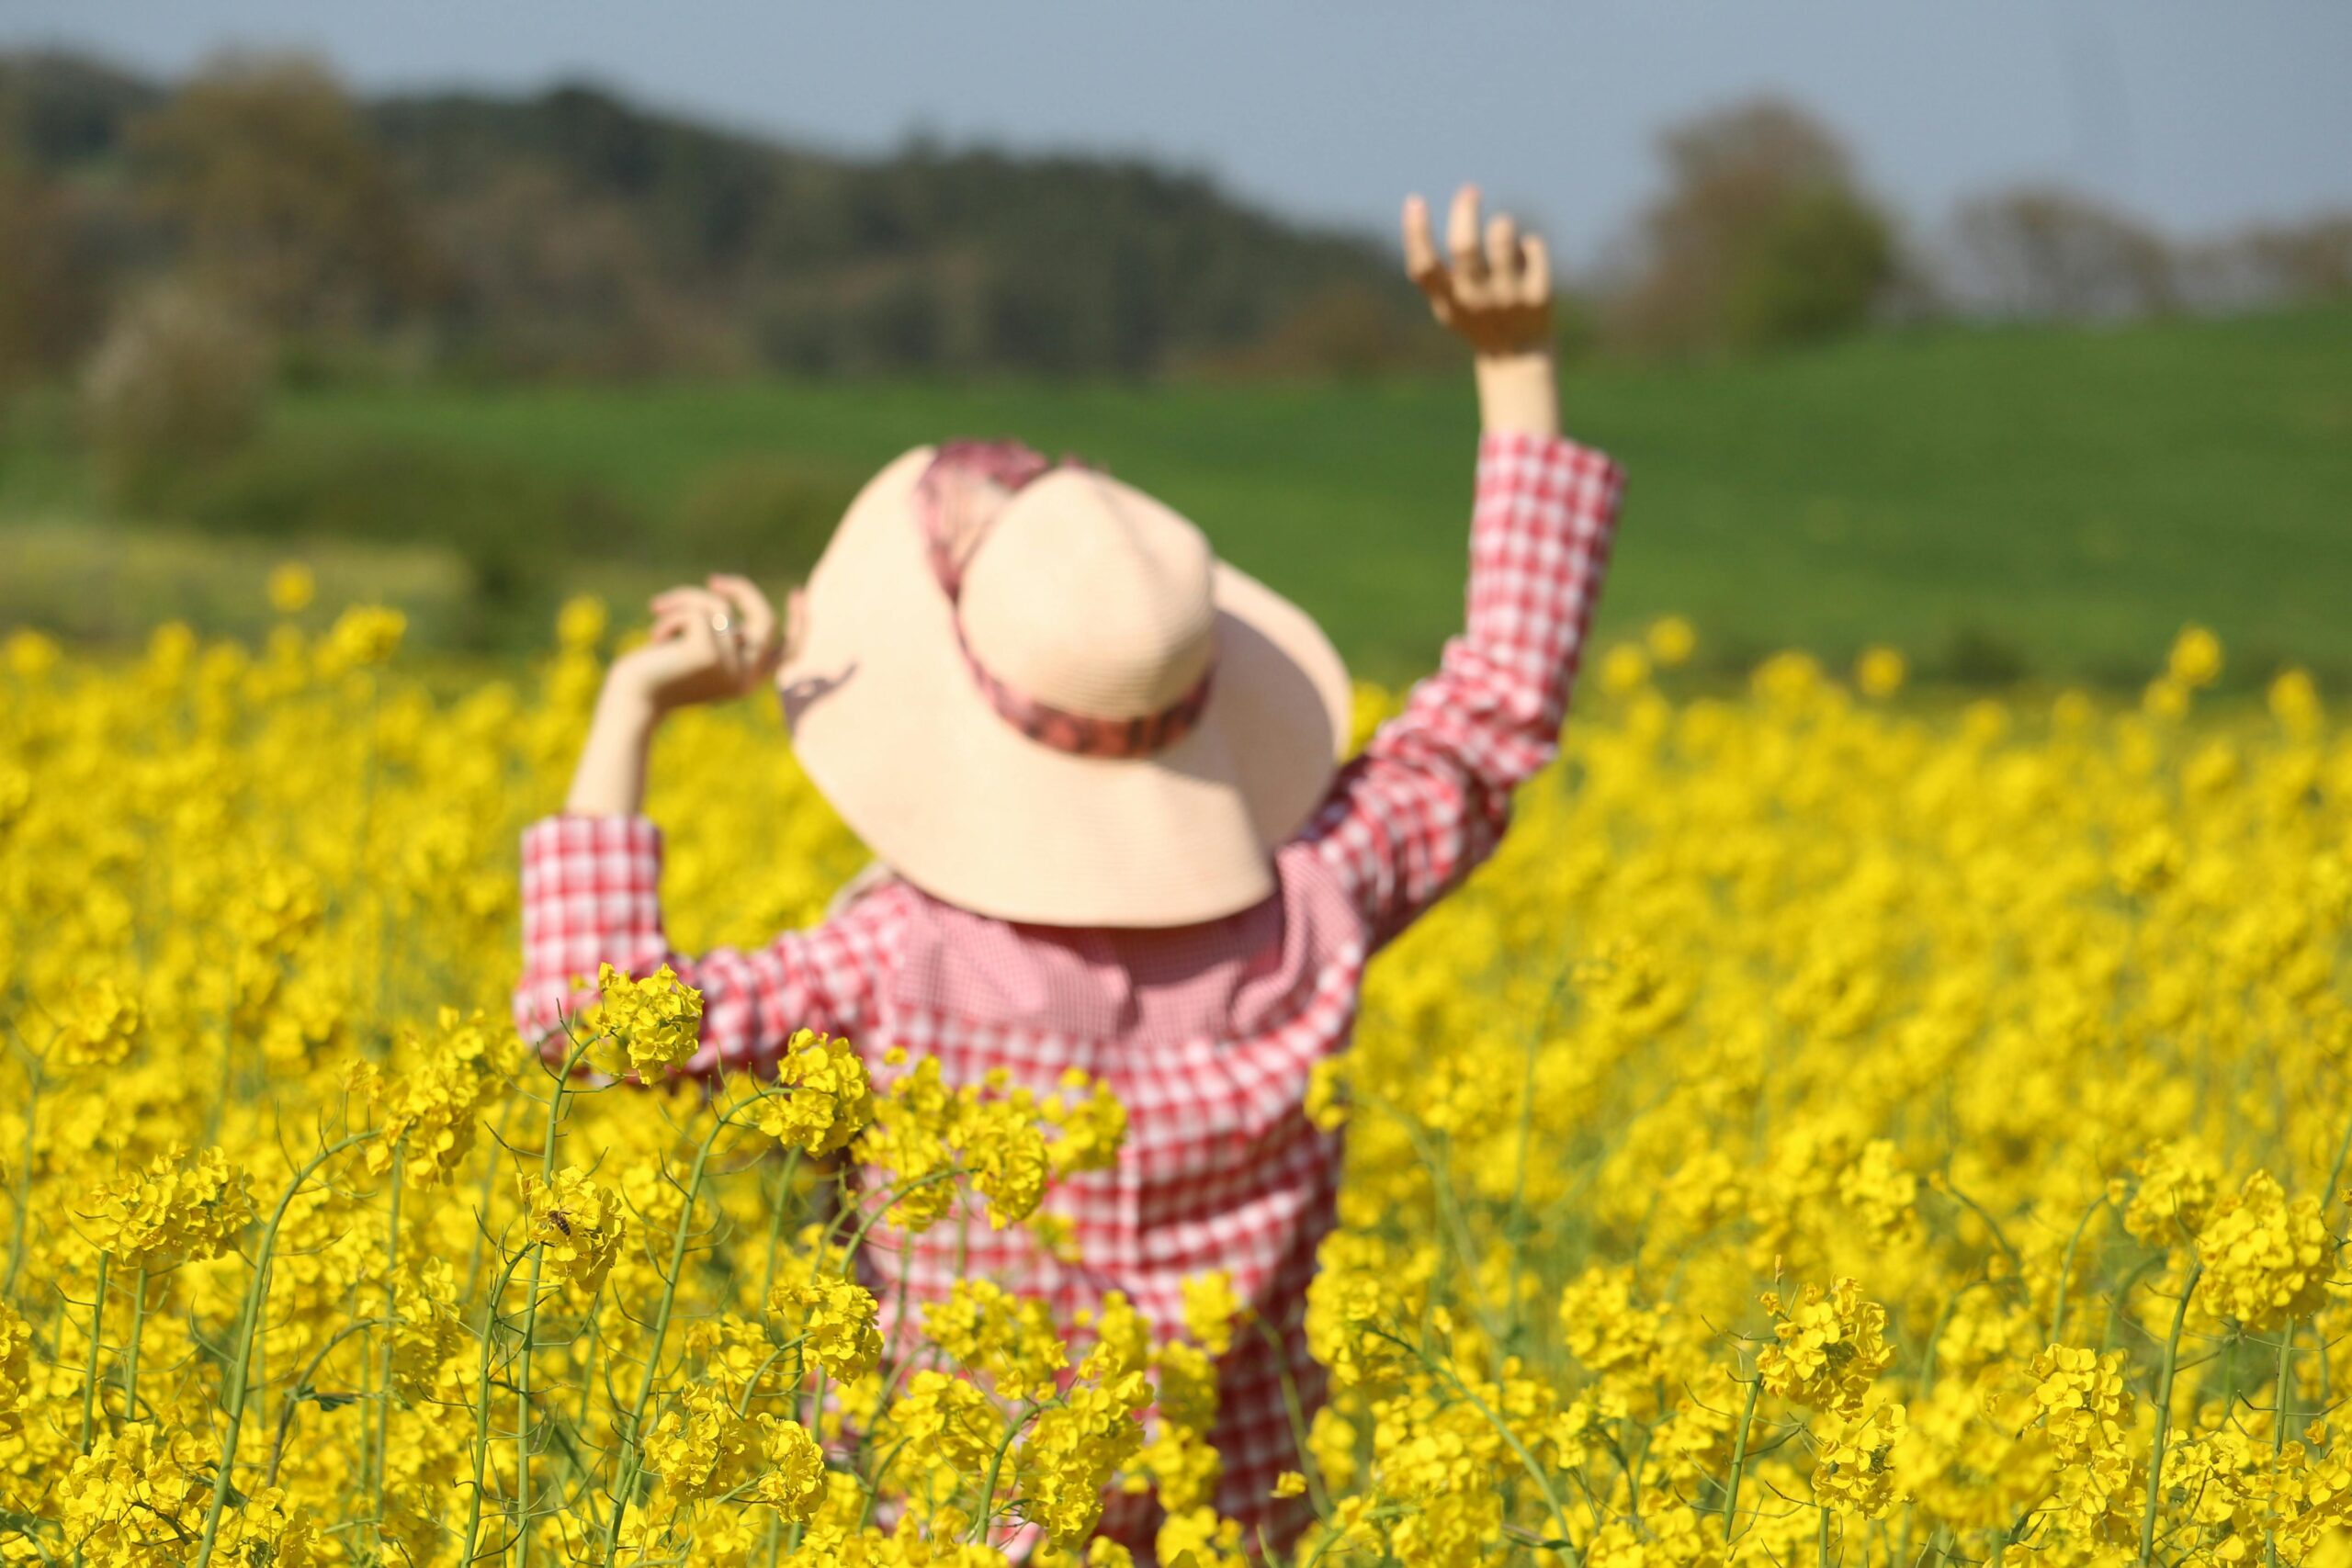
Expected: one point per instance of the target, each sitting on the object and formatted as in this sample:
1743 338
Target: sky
2197 114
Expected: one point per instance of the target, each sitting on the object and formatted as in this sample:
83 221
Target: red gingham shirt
1206 1032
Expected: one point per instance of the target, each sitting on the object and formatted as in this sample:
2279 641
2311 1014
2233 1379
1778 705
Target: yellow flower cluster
826 1098
1828 1348
924 1134
1849 1126
181 1207
2266 1259
646 1026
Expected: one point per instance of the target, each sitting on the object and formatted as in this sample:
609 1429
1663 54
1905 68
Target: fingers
721 643
1535 283
703 604
1420 250
1493 287
1462 237
1503 250
710 624
686 597
670 626
754 616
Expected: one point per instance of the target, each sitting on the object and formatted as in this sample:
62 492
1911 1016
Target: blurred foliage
1814 271
503 520
771 512
2047 252
571 233
295 320
45 307
278 200
1985 500
180 379
1763 239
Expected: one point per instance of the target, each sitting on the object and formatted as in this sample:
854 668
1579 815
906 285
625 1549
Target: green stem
588 1362
1739 1457
2163 1419
2284 1391
1936 1336
234 1389
1502 1429
306 1383
996 1469
130 1355
97 1335
775 1216
24 1179
2336 1172
1300 1435
531 1318
2066 1268
2000 1237
632 1449
380 1460
481 1406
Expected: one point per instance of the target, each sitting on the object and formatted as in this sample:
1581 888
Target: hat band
955 507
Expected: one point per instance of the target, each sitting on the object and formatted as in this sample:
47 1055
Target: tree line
573 234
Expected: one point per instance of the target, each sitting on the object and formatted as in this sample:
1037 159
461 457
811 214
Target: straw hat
1036 692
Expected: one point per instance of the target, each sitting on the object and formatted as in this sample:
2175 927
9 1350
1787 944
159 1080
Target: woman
1101 770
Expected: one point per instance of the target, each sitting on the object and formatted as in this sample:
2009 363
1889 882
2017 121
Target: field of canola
1832 1131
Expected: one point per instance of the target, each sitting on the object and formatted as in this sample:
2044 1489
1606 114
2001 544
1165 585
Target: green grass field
2053 501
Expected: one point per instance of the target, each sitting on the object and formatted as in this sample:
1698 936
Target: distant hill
575 231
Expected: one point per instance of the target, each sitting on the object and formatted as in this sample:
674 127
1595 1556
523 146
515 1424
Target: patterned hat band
955 516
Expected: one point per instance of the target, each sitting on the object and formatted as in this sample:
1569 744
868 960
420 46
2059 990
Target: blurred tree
58 107
2267 264
285 205
552 279
46 303
1763 239
179 380
2050 253
575 233
2313 261
1349 330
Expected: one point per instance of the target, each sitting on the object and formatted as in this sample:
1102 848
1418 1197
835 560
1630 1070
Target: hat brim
888 722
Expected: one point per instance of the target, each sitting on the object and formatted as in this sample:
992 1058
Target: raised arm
592 876
1429 798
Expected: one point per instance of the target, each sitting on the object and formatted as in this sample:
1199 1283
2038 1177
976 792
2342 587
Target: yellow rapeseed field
1835 1131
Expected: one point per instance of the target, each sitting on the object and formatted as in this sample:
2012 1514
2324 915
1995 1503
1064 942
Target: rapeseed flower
2021 1021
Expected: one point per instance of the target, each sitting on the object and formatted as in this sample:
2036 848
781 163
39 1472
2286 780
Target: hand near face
708 644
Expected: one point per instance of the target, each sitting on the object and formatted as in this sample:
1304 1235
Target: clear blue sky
2197 113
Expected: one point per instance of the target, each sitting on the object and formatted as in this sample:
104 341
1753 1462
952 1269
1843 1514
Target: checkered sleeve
1429 798
592 896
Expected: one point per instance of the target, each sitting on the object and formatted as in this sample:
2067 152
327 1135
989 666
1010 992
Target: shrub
515 528
1814 271
178 379
1763 239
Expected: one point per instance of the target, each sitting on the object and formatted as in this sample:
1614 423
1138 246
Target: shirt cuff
1519 456
590 882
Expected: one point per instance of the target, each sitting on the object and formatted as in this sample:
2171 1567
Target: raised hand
708 644
1494 292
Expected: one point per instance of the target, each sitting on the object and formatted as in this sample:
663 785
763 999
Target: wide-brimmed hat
1036 692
